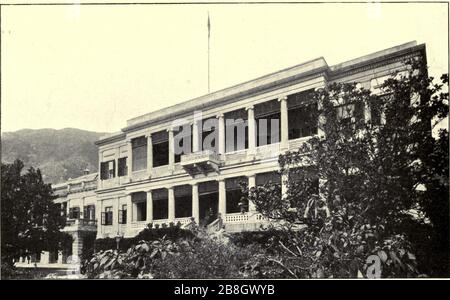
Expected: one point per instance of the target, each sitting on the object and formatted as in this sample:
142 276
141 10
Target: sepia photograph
224 140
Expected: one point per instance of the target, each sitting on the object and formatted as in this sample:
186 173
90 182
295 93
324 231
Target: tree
31 222
369 193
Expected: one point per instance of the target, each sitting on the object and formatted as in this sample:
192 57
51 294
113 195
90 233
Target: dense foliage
31 222
205 256
368 197
150 233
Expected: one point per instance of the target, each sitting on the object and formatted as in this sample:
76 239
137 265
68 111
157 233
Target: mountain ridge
59 153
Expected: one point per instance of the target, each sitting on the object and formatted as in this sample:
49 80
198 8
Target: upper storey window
302 115
160 148
139 149
210 134
107 169
122 166
182 138
236 130
267 118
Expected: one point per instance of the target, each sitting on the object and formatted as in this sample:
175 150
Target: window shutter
267 108
103 218
159 137
103 171
86 212
234 183
272 177
120 215
70 213
299 99
208 187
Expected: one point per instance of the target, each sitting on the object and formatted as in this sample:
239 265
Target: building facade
229 136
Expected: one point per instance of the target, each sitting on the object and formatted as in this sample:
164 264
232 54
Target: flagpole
209 32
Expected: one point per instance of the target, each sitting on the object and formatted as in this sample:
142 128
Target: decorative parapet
80 225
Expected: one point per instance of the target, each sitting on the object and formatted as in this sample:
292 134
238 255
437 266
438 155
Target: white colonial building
142 179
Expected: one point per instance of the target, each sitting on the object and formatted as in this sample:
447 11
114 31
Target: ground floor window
160 204
123 214
235 201
183 201
107 216
74 212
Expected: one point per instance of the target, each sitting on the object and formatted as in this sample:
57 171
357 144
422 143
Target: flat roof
303 70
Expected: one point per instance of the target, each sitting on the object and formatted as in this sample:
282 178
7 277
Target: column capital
194 184
250 107
170 129
220 116
148 135
148 191
282 98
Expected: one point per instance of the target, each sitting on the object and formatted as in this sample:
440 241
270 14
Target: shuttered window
123 167
89 212
302 115
183 201
208 187
123 214
210 134
139 150
107 216
236 125
74 212
107 170
234 195
160 147
182 139
269 177
160 204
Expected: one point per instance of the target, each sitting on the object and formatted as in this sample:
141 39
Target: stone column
82 208
116 163
171 149
77 244
129 210
221 135
195 203
116 207
100 157
222 199
171 201
149 154
196 140
251 129
149 207
251 184
98 216
284 123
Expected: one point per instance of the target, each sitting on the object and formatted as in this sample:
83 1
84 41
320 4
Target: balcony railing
82 222
248 217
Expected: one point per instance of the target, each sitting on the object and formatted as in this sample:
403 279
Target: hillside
60 154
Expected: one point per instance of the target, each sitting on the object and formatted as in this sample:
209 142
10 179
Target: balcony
80 225
202 162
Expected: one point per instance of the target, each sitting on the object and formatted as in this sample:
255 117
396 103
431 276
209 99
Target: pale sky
94 67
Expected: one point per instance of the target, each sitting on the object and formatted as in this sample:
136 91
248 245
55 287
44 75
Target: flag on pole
209 26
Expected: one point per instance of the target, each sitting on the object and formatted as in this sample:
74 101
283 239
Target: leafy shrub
150 233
